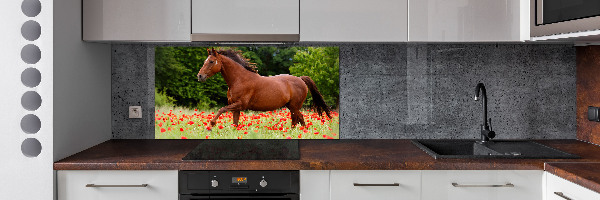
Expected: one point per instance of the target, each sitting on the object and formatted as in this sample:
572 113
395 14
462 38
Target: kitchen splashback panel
408 90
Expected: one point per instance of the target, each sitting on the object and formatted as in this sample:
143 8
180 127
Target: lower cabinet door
314 185
117 185
375 185
560 189
482 184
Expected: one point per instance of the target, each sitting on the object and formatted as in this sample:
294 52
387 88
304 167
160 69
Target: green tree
322 65
176 70
270 60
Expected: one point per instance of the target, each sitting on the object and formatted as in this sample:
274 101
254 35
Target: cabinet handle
94 185
560 194
505 185
362 184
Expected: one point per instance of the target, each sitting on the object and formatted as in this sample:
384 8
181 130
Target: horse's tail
318 101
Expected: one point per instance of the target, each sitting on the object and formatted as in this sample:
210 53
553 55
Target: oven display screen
239 180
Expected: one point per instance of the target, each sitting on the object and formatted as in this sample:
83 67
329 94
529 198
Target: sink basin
493 149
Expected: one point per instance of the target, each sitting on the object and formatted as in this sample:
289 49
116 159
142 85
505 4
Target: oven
234 185
554 17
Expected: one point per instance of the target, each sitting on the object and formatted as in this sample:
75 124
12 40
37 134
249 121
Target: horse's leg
301 118
237 106
236 117
297 117
292 115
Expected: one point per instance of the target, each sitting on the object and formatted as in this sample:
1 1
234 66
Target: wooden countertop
314 155
581 173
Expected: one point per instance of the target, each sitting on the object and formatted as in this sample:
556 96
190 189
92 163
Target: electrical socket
135 112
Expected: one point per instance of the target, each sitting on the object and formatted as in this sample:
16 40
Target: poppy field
183 123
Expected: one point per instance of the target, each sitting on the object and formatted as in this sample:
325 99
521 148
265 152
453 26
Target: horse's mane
236 55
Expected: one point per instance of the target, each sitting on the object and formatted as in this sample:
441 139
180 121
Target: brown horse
250 91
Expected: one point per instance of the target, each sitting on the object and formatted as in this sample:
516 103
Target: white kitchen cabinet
468 20
561 189
314 184
117 184
136 20
482 184
243 20
378 184
354 20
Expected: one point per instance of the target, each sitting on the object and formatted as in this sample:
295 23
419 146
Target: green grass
178 122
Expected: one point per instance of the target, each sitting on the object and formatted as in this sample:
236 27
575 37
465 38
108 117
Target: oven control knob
214 183
263 183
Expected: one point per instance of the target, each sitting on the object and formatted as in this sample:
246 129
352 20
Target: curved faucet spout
481 87
486 133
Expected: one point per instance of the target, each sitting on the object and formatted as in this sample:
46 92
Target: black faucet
486 130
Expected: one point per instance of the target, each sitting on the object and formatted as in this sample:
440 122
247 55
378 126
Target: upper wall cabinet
136 20
244 20
468 20
354 20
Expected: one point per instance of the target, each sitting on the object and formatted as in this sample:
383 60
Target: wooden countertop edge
578 179
230 165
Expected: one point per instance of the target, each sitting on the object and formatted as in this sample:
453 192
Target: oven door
236 197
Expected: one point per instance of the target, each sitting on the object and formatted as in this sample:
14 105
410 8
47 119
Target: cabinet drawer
161 185
567 189
380 185
482 184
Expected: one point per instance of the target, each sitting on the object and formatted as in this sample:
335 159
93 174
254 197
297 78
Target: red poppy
246 132
162 130
160 124
181 129
221 127
208 128
288 137
316 133
207 137
183 137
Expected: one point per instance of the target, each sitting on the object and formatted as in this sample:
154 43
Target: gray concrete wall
409 90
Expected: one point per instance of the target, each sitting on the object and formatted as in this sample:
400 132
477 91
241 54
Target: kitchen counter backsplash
403 91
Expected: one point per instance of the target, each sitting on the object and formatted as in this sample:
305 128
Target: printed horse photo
247 90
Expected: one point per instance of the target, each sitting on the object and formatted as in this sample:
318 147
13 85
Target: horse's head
212 65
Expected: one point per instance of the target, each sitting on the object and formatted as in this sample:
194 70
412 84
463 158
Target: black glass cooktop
245 150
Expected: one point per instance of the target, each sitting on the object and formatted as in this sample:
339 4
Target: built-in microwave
556 17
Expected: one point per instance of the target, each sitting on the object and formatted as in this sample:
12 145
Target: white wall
75 92
82 84
24 177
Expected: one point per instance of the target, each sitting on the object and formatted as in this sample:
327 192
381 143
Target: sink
493 149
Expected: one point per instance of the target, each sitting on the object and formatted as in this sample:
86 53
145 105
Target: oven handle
192 197
249 197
